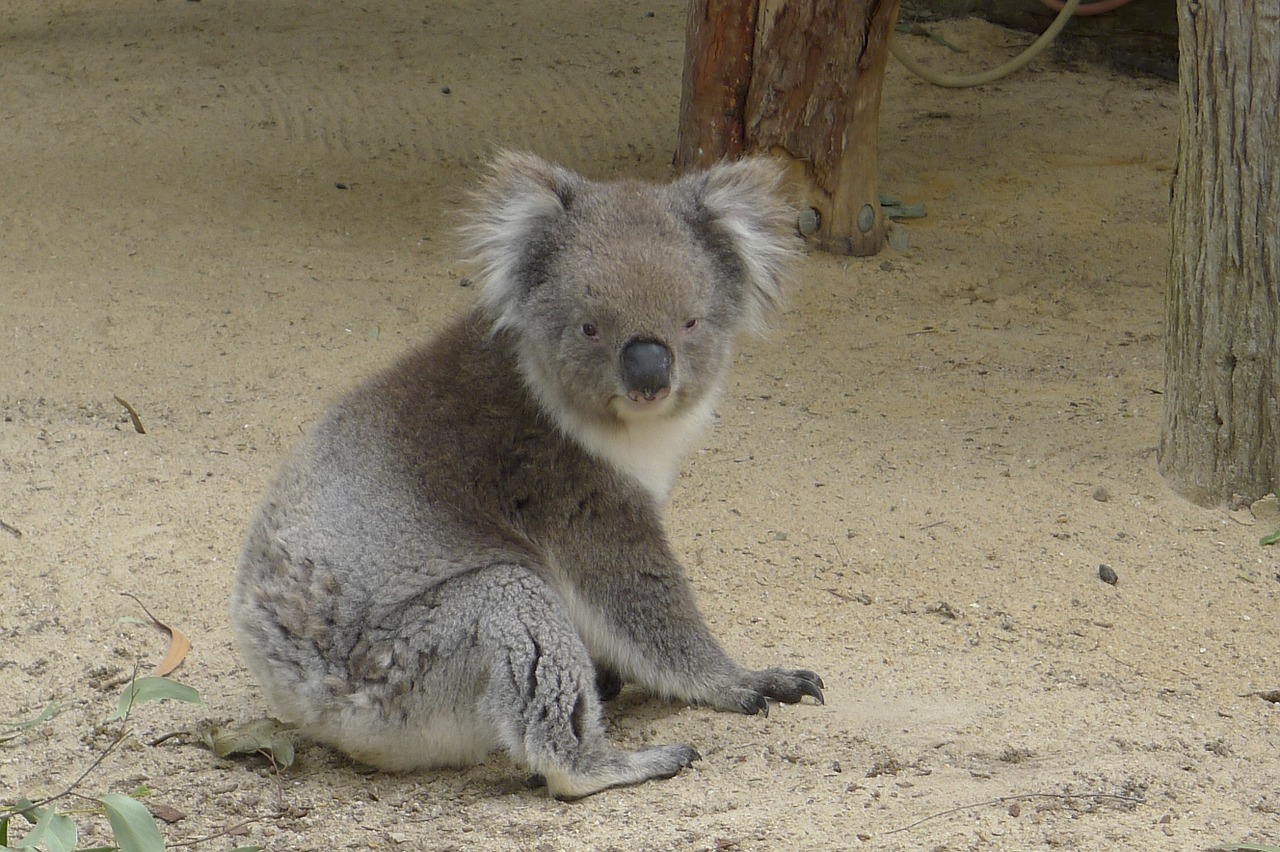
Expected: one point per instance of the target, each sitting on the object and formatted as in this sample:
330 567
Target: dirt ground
225 212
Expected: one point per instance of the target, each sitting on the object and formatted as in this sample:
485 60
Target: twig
1002 799
229 830
14 531
860 597
133 415
70 789
179 644
232 829
279 779
164 738
154 620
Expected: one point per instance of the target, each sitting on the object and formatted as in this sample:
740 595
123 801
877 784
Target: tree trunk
719 39
1220 442
801 80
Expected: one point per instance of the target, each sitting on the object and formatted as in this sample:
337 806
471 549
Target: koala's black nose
646 370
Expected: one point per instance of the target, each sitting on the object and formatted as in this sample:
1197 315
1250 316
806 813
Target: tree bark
807 91
718 43
815 99
1220 441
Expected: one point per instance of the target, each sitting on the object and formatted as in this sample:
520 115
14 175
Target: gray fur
464 540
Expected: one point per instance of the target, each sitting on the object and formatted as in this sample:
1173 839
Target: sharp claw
813 690
810 684
762 705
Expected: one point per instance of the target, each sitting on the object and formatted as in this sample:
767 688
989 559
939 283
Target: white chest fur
649 451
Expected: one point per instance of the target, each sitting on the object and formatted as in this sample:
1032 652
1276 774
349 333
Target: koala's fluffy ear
749 226
514 211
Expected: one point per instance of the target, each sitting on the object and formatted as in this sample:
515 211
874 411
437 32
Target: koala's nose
646 370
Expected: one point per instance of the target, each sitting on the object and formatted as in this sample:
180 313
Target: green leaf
1264 541
45 715
4 831
55 831
134 828
146 689
26 807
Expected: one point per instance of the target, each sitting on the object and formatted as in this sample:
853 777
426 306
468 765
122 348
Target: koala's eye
590 331
690 325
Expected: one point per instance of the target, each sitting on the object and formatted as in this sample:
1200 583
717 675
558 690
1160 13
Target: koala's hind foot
542 694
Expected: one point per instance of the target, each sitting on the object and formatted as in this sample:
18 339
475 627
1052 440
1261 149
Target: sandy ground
225 212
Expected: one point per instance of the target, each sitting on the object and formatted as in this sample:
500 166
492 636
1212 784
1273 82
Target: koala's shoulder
460 380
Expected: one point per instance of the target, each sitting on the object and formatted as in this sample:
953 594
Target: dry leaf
168 813
133 416
268 737
179 644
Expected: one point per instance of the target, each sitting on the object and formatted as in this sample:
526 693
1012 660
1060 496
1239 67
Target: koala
466 554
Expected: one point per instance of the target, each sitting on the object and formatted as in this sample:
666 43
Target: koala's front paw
785 685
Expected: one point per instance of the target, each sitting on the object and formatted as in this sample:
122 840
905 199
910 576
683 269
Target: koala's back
422 468
416 476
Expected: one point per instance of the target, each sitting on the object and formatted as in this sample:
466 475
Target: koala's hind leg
541 697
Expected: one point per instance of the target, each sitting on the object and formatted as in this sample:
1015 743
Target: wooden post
1220 443
812 81
718 43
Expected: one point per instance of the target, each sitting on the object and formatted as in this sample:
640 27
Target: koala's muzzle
646 370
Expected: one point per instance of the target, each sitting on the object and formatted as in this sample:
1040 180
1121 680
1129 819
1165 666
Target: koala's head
623 298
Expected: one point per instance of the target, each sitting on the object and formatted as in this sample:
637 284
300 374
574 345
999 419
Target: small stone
1266 511
1102 494
899 239
1107 575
